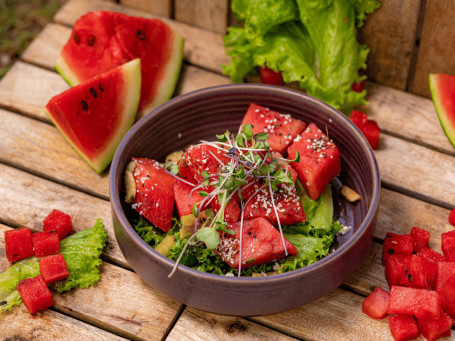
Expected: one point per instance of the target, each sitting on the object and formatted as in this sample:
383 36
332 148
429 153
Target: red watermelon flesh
282 129
403 327
442 88
396 244
445 286
182 198
376 304
319 160
418 302
433 329
448 245
261 243
95 115
420 238
154 193
395 269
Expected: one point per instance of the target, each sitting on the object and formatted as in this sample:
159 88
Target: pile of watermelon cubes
422 286
21 243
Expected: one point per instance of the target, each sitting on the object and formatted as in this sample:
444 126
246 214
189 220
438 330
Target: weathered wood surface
160 7
390 32
198 325
436 50
209 14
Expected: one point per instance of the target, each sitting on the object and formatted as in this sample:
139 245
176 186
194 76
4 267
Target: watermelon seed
406 271
76 38
410 278
390 251
100 87
84 105
3 303
93 93
140 35
91 40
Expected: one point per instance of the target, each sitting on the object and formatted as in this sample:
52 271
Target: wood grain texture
390 32
198 325
160 7
120 302
209 14
436 50
202 47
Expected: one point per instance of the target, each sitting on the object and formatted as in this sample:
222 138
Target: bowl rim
117 209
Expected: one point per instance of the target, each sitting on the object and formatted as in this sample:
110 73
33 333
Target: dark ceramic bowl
200 115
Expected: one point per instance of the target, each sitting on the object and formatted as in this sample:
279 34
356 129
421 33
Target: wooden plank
208 14
160 7
202 48
390 32
436 48
198 325
121 302
40 148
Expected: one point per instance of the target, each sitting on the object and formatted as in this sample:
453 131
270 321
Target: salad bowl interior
199 116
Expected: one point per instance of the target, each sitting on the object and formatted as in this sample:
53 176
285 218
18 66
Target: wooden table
39 171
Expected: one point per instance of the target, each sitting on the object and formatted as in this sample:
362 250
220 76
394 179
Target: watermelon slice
442 88
101 41
95 115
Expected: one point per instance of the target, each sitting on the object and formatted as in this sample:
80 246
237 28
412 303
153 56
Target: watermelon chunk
46 243
18 244
282 129
395 269
154 193
270 76
369 128
420 238
417 302
431 255
452 217
396 244
448 245
319 160
261 243
417 274
445 286
58 221
376 304
53 268
433 329
35 294
182 198
403 327
442 88
95 115
101 41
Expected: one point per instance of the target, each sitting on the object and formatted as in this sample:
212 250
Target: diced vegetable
349 194
18 244
369 128
58 221
166 244
53 268
417 302
35 294
395 244
420 238
376 304
433 329
46 243
403 327
269 76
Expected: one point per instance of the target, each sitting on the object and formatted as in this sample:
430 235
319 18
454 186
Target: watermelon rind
132 92
171 75
65 71
443 115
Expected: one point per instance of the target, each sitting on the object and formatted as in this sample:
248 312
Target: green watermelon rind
169 81
132 73
65 71
446 125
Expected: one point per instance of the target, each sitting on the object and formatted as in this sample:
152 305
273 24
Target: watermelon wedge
95 115
101 41
442 88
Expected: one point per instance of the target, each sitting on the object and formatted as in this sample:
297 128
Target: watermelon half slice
442 88
101 41
95 115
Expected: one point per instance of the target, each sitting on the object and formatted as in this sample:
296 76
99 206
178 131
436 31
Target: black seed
390 251
414 253
406 271
91 40
140 35
3 303
76 38
52 231
100 87
93 93
388 235
84 105
410 278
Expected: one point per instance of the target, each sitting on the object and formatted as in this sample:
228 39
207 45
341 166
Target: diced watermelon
430 260
433 329
452 217
283 164
53 268
182 198
35 294
231 211
282 129
58 221
369 128
403 327
154 193
420 238
445 286
46 243
18 244
358 87
376 304
261 243
417 275
448 245
269 76
431 255
319 160
395 244
417 302
395 269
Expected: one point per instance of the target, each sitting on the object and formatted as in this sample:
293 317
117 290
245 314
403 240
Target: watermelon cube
269 76
282 129
433 329
53 268
448 245
18 244
261 243
403 327
319 160
35 294
452 217
445 286
58 221
183 201
154 193
395 244
395 269
376 304
417 274
369 128
431 255
46 243
420 238
231 211
417 302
